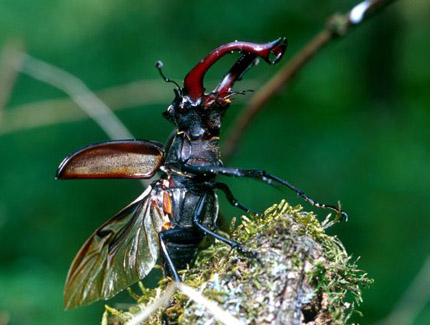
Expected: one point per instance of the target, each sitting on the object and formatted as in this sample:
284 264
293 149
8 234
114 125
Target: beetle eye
183 105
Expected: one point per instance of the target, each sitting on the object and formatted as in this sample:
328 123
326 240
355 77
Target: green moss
293 252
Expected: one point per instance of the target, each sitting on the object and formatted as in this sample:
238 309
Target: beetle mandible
171 217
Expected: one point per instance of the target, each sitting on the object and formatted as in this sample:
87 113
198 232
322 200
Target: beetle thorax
201 120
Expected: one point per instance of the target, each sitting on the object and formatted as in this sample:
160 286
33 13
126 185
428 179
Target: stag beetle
171 217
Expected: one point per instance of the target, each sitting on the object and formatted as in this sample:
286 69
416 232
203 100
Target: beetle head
200 114
200 120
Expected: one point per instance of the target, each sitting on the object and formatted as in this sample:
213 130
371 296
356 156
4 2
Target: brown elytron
114 159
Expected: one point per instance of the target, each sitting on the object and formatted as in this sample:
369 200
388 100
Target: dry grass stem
158 303
78 92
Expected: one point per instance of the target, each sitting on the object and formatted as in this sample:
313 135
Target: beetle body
173 215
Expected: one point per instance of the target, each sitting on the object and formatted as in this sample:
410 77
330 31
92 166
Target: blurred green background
353 126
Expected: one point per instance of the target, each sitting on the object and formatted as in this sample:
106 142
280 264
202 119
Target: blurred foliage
355 122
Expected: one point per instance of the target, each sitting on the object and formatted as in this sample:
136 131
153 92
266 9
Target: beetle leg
264 176
196 219
162 236
230 197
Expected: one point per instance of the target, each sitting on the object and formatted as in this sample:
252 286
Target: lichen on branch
294 274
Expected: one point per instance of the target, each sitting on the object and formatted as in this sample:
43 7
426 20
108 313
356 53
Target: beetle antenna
242 92
159 66
238 92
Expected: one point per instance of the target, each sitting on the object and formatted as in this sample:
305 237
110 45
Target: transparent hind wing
119 253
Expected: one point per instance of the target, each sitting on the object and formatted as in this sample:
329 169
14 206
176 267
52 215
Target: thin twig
413 300
336 27
8 74
79 92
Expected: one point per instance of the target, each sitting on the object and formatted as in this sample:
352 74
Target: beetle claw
343 216
247 252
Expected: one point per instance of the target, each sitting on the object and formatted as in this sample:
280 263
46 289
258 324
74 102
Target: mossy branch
301 275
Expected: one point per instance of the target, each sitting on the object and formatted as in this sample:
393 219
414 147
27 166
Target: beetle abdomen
182 254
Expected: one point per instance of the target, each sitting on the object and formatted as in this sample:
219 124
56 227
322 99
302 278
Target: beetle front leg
264 176
230 197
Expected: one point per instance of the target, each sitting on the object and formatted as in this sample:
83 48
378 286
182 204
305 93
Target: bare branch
336 27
